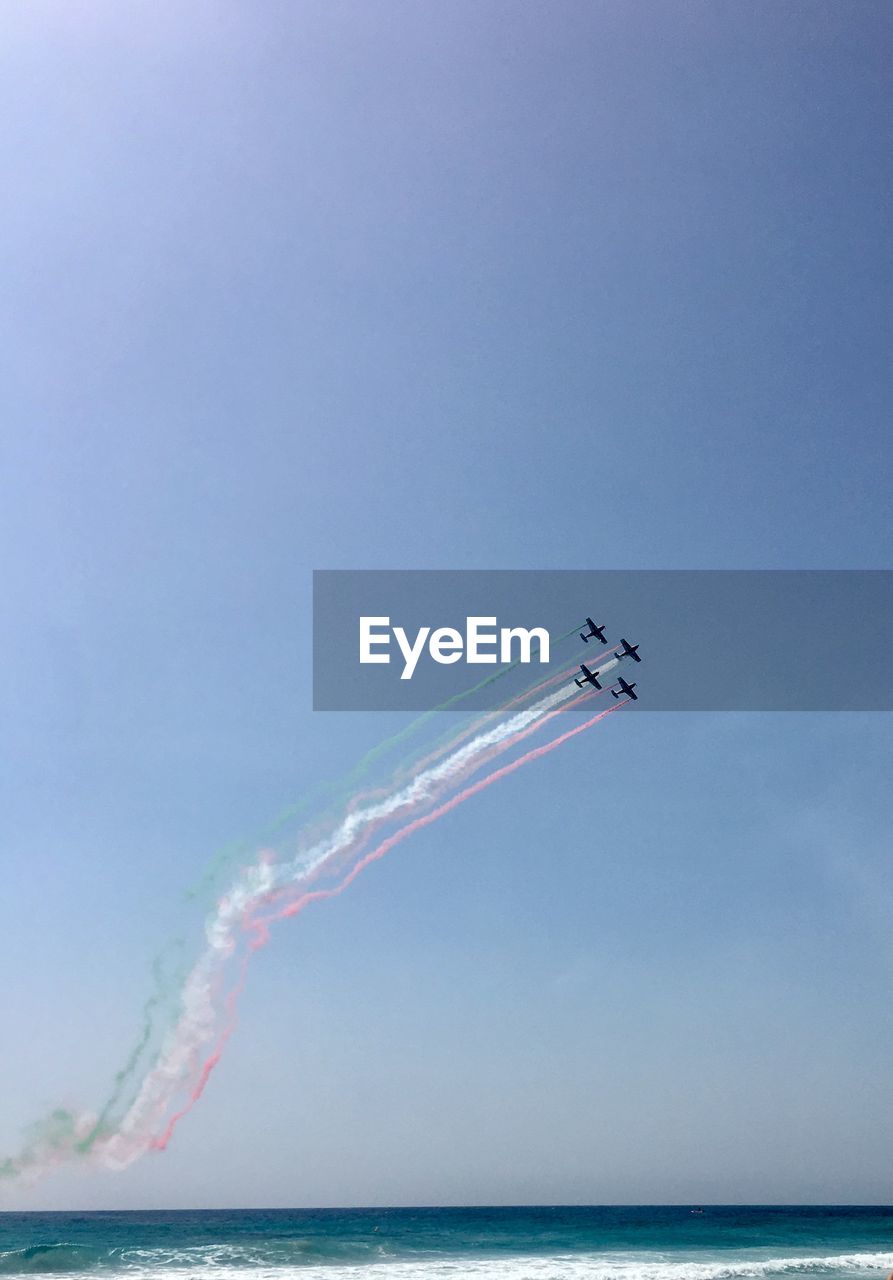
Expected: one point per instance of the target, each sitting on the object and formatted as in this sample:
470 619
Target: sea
599 1243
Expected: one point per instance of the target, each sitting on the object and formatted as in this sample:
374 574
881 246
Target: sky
352 284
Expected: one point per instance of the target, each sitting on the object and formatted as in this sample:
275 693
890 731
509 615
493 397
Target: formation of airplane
597 632
591 677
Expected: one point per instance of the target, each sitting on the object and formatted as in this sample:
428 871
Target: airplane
629 651
625 688
589 677
598 632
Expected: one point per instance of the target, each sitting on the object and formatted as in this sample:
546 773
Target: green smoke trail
341 788
450 734
335 790
165 986
62 1132
53 1136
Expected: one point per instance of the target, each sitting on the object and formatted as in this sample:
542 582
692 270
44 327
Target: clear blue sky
362 284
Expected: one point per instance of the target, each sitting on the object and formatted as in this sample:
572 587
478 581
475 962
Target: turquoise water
632 1243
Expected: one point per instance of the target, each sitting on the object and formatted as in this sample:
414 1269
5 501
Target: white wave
561 1266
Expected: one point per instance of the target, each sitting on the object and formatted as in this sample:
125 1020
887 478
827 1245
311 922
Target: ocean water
630 1243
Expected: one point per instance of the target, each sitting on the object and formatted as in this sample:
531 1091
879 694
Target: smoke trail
342 786
192 1029
446 742
158 999
47 1144
449 741
261 928
473 789
463 767
535 687
198 1016
282 890
165 987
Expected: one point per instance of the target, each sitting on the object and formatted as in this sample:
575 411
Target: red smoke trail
470 731
537 690
426 819
260 939
261 928
477 725
472 766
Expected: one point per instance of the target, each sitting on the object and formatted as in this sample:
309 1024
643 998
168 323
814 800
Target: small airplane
589 677
598 632
629 651
625 688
